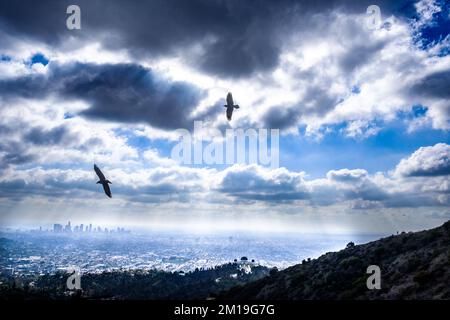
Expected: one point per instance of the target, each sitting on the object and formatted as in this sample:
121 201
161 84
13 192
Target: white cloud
426 161
426 9
427 167
312 86
346 175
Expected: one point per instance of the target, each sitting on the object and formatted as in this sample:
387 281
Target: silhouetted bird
103 180
230 106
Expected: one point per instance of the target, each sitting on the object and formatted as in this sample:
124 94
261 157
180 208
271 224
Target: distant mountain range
413 266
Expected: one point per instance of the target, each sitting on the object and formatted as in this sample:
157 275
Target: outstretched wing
99 173
230 99
107 189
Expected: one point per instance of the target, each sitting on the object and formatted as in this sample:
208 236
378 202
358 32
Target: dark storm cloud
40 136
249 184
237 37
242 33
281 117
131 93
14 153
316 101
443 170
29 87
116 92
18 188
63 183
278 197
319 100
435 85
359 55
21 141
404 200
368 191
16 158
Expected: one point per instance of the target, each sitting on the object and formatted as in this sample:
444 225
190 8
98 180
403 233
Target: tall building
68 228
57 227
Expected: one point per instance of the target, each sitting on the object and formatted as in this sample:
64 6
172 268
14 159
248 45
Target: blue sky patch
39 58
4 57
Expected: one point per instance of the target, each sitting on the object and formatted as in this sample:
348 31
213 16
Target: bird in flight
230 106
103 180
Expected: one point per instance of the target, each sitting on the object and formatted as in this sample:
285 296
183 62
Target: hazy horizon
356 105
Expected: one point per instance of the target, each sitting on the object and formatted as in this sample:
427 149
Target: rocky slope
413 266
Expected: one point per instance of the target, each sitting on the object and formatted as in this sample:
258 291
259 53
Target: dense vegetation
153 284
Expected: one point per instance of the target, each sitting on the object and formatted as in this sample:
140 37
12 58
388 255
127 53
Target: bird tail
108 181
236 106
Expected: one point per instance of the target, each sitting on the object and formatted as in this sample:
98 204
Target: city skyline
58 228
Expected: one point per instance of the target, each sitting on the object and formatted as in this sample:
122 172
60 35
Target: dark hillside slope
413 266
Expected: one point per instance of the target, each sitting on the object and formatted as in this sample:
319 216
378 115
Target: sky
363 114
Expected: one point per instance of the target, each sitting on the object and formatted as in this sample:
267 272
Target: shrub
447 226
430 237
351 262
422 277
380 251
273 271
351 244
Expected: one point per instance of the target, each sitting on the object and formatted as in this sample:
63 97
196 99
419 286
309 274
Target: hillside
137 284
413 266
